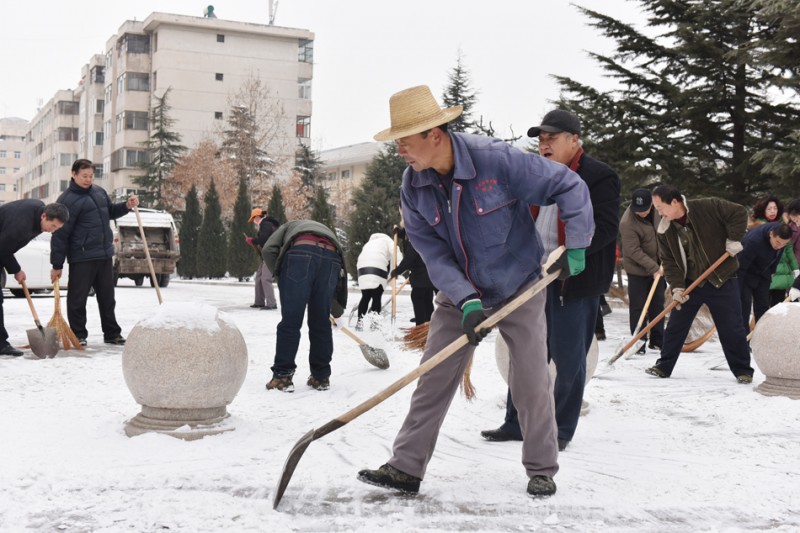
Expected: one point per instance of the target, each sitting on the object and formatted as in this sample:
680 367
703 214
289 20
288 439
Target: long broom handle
656 279
394 280
147 255
669 308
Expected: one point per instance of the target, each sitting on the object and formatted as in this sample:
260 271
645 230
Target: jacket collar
464 168
663 226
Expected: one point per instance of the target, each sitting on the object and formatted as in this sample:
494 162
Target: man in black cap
639 245
573 304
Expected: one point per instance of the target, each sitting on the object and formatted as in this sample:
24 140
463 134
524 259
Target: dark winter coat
281 240
412 261
87 235
20 222
710 222
265 229
758 259
639 243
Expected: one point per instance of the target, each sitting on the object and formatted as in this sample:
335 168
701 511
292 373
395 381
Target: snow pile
186 315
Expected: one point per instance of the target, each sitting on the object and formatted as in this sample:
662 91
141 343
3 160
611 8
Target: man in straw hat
465 205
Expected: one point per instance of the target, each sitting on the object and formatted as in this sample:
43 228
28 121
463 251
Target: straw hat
413 111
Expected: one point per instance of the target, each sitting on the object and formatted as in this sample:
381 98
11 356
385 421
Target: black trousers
82 277
3 332
422 300
638 289
370 294
757 297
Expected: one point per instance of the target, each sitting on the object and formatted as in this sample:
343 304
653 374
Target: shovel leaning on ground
374 356
43 341
300 446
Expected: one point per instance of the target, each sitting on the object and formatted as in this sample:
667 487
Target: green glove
472 316
576 258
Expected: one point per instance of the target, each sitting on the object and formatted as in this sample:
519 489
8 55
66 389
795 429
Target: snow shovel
374 356
43 341
650 295
300 446
667 309
153 277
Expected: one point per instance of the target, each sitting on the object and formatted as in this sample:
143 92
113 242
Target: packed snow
697 452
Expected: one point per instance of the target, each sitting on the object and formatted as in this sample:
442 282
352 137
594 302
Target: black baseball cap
556 121
641 200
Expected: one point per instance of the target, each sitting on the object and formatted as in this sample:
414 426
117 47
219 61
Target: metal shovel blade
43 341
375 356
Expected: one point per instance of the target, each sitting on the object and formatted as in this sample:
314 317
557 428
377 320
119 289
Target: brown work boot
282 383
319 384
389 477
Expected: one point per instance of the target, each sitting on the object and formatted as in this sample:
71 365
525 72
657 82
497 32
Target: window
136 120
126 158
2 171
304 89
137 81
218 115
220 38
98 171
98 74
134 44
66 160
3 154
345 174
218 76
98 138
120 84
2 187
132 157
108 94
67 108
17 155
106 130
304 127
99 106
120 121
67 134
305 52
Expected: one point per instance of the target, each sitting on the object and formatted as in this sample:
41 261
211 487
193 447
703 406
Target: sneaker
119 340
744 378
541 486
641 350
655 371
10 350
389 477
82 342
319 384
359 325
283 383
601 335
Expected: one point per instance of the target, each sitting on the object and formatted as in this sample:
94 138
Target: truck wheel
138 281
163 280
17 293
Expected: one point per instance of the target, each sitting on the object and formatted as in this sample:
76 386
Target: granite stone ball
776 350
502 359
185 356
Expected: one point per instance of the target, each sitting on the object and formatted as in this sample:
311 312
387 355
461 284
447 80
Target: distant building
12 147
343 169
203 61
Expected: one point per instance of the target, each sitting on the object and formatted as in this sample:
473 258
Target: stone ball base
780 387
776 351
501 357
185 424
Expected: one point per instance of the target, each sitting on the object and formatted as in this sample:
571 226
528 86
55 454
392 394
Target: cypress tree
275 208
212 244
322 211
188 234
242 258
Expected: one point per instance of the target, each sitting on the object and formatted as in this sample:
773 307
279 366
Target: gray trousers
525 331
264 290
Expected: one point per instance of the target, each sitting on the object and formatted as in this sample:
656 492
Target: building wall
203 62
343 171
12 151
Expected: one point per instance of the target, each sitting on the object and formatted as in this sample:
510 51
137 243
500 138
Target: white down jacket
375 261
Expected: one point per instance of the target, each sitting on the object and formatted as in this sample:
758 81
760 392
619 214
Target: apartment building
12 146
343 169
203 62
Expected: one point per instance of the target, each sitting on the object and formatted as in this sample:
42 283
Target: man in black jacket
87 243
573 304
20 222
265 294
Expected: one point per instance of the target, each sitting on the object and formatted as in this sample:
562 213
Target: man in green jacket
307 260
691 237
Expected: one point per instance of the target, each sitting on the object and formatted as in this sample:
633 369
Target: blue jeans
570 330
308 278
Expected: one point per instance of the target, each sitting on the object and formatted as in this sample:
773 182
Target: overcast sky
365 50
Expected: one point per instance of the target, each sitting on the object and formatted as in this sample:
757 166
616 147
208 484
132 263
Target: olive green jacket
710 222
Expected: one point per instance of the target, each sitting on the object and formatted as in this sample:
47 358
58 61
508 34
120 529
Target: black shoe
562 444
268 307
119 340
257 306
605 309
657 372
541 486
641 350
654 346
600 335
389 477
499 435
82 342
319 384
10 350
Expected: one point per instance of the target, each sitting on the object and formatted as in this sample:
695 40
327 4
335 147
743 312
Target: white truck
161 234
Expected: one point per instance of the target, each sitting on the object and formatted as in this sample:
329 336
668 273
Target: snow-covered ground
697 452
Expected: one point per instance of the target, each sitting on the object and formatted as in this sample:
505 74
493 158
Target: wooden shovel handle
347 332
656 279
147 255
30 303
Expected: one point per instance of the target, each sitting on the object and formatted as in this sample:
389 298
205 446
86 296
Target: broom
63 331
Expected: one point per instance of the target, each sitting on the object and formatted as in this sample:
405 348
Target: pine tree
695 101
250 161
323 211
190 229
163 152
212 244
459 92
242 259
275 207
376 202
